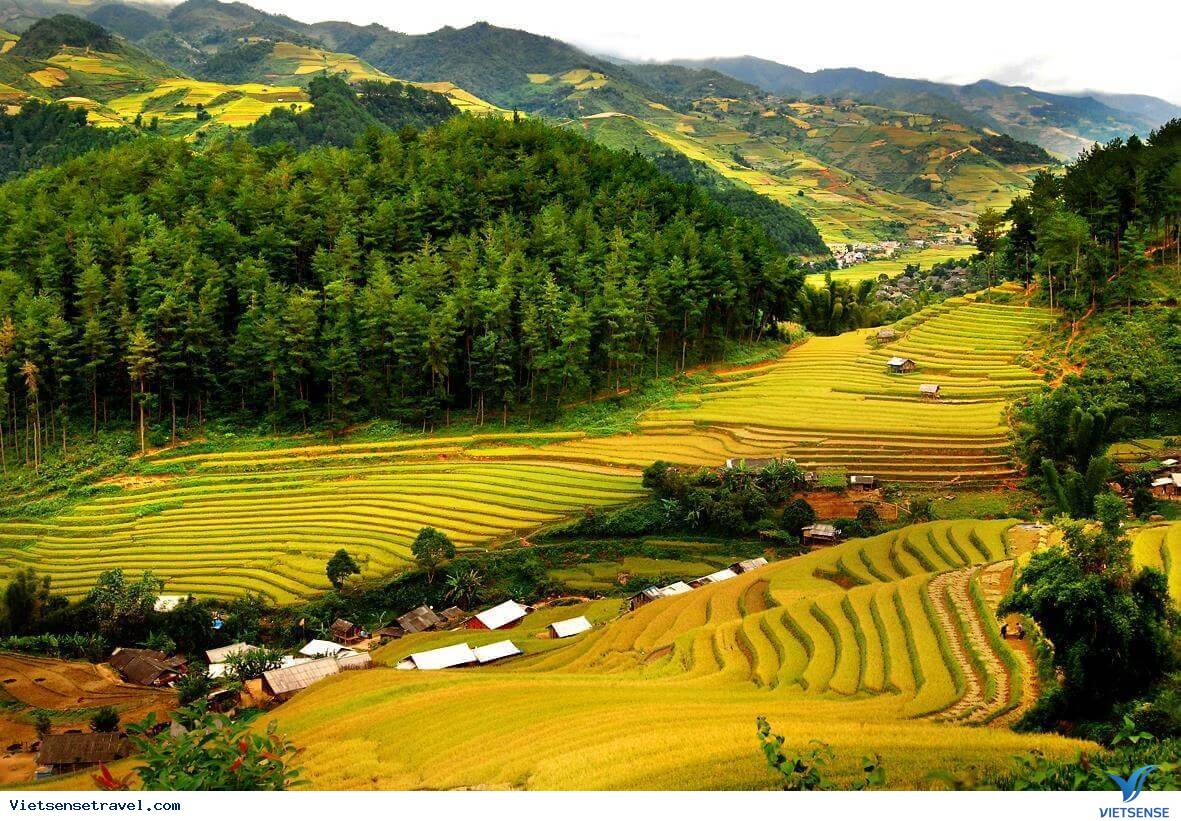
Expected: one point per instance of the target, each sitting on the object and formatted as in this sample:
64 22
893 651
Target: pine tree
141 363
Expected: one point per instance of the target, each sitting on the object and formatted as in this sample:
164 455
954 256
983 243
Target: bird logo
1134 783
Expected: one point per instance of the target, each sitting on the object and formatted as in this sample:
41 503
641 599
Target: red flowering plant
208 751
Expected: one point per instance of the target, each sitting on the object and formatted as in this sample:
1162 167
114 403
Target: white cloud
1049 44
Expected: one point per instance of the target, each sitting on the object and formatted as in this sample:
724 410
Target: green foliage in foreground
214 753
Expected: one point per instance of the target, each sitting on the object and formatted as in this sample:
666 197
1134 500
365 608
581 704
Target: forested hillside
484 263
1092 235
41 134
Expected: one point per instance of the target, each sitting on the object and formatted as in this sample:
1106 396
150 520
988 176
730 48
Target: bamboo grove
483 264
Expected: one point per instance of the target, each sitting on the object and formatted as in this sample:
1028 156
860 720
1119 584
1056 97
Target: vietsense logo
1134 783
1131 787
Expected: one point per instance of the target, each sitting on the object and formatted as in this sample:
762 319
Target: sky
1047 44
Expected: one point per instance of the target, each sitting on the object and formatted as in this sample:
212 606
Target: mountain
1062 123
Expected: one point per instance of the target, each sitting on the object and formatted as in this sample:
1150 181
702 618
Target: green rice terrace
227 522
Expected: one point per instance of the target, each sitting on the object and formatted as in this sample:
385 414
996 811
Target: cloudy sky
1049 44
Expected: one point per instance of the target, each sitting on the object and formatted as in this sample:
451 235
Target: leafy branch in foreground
213 753
806 771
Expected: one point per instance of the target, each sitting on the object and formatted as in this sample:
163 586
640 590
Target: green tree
431 548
251 664
104 720
141 362
987 235
797 514
122 610
1111 626
340 567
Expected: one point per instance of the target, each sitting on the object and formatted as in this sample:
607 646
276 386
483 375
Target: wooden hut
820 534
419 620
862 481
886 334
901 364
344 632
285 682
68 752
929 390
150 668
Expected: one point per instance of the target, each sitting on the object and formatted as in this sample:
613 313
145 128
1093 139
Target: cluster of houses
857 252
651 594
503 616
1167 483
948 281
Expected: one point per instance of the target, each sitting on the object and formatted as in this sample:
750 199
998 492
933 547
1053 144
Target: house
451 617
356 661
648 594
811 478
391 633
929 390
504 615
149 668
496 651
285 682
900 364
317 648
716 576
455 655
218 655
886 334
863 481
569 627
345 632
68 752
1168 463
821 534
419 620
674 589
748 565
1167 485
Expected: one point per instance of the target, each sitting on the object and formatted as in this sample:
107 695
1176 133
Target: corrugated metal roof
928 387
502 614
571 627
499 650
218 655
748 565
419 619
454 655
292 679
357 661
320 647
898 360
675 589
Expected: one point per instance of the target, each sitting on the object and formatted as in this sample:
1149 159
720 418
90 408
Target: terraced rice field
1160 547
266 520
832 404
866 645
227 529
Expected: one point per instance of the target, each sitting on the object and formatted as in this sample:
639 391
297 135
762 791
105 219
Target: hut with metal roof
218 655
285 682
502 616
496 651
419 620
901 364
569 627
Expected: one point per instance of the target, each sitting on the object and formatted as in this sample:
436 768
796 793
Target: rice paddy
894 266
1159 547
865 645
226 531
266 519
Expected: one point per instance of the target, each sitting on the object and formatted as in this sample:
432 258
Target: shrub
797 515
215 753
104 720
